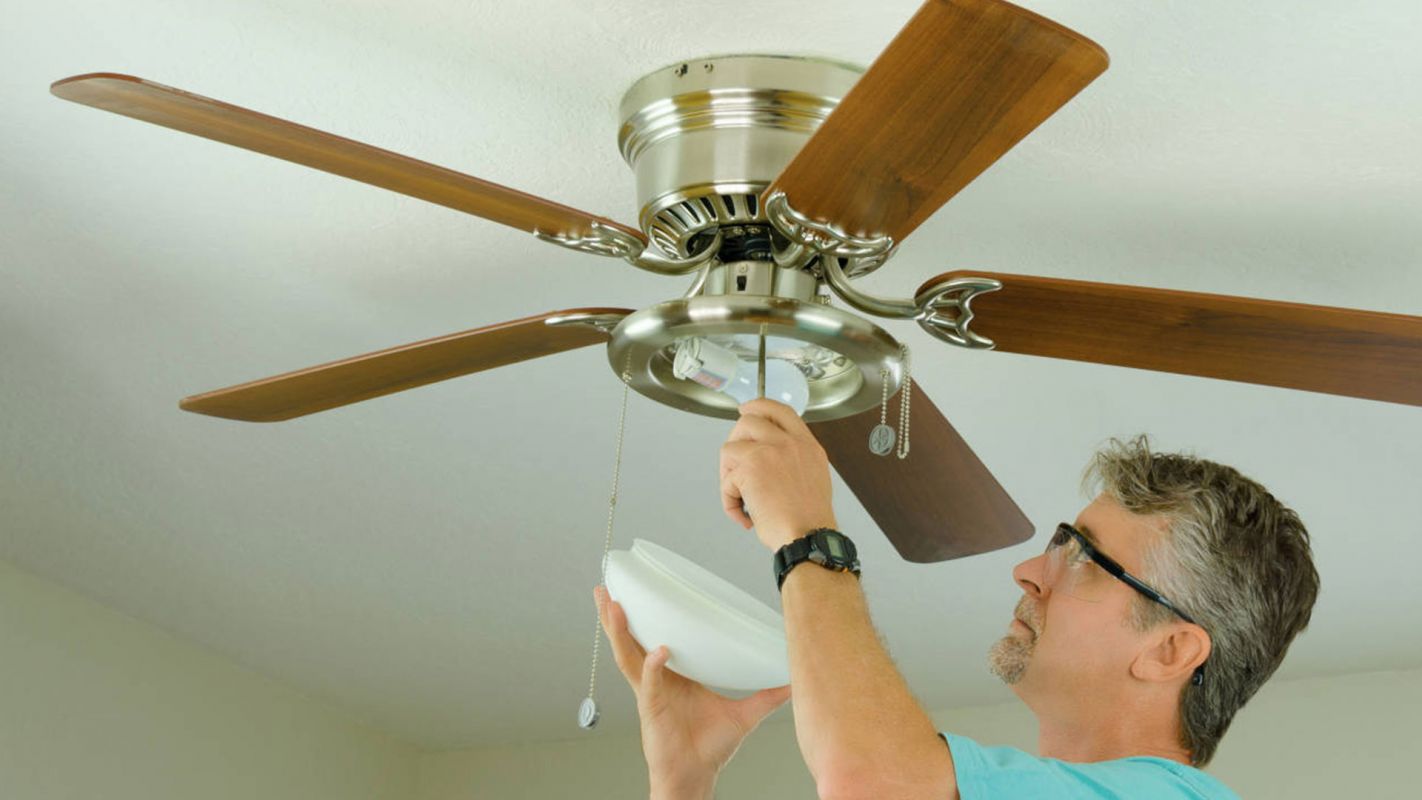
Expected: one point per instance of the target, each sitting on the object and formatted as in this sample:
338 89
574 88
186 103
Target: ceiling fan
774 182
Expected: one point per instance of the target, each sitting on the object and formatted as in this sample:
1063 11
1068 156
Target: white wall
1322 738
94 704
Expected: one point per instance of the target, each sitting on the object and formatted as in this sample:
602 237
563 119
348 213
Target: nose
1029 575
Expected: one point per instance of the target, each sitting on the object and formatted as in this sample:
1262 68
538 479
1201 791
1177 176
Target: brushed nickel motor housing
842 354
706 136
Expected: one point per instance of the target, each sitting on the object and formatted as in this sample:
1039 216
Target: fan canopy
706 136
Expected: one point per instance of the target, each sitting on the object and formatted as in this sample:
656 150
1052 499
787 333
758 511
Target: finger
622 637
733 453
756 429
625 639
625 651
653 678
604 603
782 415
732 503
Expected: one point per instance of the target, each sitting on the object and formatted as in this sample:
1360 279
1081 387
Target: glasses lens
1070 571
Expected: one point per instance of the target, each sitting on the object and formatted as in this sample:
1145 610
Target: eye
1075 554
1061 536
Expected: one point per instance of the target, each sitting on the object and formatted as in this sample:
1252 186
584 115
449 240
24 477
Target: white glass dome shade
717 633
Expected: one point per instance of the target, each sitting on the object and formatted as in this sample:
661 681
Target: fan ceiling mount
706 137
775 182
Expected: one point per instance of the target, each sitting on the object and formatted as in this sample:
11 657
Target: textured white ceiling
425 561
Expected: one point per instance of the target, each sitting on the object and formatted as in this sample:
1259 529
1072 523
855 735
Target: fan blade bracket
615 242
823 237
946 310
604 323
943 307
814 240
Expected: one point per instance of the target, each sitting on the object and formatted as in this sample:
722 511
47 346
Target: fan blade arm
1364 354
250 130
364 377
940 502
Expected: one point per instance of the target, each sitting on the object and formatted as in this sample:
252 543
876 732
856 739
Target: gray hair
1232 556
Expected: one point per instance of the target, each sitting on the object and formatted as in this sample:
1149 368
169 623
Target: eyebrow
1090 537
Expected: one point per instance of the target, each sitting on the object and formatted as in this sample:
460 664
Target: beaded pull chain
882 437
588 712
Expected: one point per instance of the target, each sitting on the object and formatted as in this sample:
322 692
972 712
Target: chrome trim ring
648 338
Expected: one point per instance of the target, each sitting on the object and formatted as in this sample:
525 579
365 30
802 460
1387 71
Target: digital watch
824 546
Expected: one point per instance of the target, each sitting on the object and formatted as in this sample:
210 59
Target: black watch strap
824 546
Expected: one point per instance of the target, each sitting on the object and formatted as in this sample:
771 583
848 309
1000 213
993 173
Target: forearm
855 719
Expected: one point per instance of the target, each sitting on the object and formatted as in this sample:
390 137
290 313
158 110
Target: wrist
825 547
785 533
692 788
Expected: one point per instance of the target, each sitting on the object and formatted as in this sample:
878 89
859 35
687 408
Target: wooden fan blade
385 372
939 502
954 91
201 116
1365 354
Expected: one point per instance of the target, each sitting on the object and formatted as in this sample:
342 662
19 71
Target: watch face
836 548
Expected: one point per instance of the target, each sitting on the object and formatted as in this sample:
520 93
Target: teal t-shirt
991 773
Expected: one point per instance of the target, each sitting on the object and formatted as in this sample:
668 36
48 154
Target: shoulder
988 772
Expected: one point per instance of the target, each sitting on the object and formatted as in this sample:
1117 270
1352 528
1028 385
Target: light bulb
718 368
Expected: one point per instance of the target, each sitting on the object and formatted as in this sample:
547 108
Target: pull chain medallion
588 714
882 437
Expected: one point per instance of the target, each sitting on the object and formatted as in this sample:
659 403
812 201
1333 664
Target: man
1144 626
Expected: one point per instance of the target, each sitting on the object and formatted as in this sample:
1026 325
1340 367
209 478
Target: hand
772 464
688 731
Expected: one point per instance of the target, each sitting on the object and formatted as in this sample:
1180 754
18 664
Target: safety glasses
1069 558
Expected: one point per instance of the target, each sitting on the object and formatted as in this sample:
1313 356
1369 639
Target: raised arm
861 732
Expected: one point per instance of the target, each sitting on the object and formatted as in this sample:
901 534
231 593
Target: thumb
758 706
653 677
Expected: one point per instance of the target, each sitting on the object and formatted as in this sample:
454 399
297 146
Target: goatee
1008 657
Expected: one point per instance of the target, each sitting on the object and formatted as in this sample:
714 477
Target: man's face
1064 645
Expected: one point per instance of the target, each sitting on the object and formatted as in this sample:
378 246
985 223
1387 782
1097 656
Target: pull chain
587 711
904 394
882 437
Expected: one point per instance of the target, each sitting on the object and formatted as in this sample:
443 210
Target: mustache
1029 614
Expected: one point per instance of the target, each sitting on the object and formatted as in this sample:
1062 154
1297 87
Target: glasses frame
1119 572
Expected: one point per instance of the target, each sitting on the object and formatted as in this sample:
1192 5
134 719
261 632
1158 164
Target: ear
1172 654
